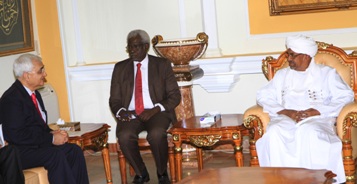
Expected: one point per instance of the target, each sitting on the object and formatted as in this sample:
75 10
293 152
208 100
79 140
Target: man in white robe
303 101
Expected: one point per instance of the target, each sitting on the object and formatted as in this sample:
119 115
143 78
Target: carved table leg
172 164
178 160
237 139
239 155
199 158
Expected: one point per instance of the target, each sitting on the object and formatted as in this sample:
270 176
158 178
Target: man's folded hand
59 137
148 113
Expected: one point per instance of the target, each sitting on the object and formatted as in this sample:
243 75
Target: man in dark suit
146 104
24 120
10 165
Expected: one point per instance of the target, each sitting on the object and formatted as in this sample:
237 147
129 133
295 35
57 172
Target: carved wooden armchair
346 65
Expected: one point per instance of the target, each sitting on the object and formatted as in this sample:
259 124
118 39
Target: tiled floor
214 159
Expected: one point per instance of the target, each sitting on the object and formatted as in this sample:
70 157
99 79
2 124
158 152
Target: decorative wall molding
220 74
91 72
210 27
307 33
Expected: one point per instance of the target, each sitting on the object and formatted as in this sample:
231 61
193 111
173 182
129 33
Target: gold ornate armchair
346 65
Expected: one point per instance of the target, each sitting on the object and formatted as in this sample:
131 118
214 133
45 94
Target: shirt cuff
117 114
161 106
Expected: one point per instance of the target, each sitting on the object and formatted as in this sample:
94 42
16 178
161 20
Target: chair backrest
327 54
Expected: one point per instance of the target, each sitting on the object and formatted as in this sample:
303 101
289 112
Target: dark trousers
65 163
156 127
10 166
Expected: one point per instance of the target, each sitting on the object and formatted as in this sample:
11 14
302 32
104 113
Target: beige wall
262 23
51 51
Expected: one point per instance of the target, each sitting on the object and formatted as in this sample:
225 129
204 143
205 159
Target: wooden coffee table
229 129
259 175
94 136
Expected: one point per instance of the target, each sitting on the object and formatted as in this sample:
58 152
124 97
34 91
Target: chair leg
172 164
122 164
254 162
122 167
131 171
348 162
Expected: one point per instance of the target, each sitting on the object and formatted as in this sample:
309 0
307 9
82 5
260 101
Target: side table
94 136
229 128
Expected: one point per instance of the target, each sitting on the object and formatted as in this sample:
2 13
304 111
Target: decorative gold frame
16 34
283 7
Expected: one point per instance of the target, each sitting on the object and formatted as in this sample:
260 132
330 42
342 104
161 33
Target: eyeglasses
134 46
40 71
292 55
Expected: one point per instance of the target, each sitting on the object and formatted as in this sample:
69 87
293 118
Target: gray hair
24 64
138 32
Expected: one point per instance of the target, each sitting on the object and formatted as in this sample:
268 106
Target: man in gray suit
143 96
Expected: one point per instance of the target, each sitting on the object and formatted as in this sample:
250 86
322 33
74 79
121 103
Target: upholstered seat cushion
37 175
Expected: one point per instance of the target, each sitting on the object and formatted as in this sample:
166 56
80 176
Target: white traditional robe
313 142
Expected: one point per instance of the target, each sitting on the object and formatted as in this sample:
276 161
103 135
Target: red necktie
139 104
33 96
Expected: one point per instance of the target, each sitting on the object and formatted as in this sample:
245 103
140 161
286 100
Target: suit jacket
163 85
23 126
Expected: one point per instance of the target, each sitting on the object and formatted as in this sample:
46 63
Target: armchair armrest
346 120
255 118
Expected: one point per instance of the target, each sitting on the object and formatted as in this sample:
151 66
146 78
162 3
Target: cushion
37 175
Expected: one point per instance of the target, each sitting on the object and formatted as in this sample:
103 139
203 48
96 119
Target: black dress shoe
164 178
143 178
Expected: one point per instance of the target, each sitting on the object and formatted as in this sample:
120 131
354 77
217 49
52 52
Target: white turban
302 44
